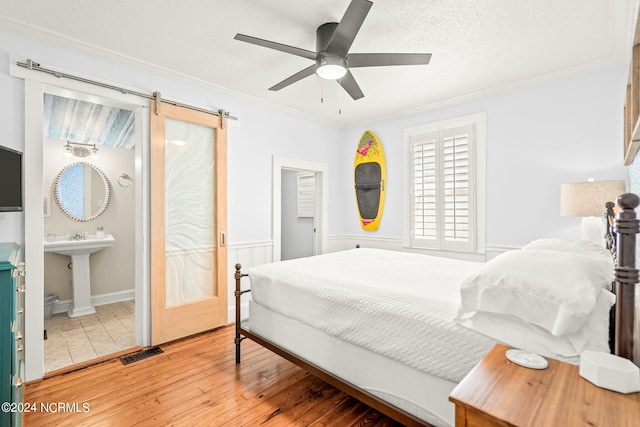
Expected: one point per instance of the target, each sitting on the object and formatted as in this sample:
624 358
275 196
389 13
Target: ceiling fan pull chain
340 98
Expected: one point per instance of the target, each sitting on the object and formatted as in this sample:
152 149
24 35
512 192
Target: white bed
390 324
405 313
398 324
414 391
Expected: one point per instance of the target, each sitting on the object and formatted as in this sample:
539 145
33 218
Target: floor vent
140 355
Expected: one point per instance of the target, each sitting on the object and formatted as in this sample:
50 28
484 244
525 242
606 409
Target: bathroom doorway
36 85
89 193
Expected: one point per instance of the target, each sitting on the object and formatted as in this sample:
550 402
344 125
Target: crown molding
623 23
501 89
41 35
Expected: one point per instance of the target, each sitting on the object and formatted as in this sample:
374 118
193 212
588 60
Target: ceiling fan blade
348 83
297 76
348 27
385 59
277 46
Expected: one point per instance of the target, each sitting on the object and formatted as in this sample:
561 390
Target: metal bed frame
620 237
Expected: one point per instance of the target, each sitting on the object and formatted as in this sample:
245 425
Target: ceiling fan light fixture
331 68
333 42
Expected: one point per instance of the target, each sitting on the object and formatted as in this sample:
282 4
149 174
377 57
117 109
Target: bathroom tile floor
70 341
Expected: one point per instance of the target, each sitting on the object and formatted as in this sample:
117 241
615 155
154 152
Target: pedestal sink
79 247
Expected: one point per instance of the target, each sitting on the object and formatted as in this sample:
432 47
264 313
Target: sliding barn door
188 222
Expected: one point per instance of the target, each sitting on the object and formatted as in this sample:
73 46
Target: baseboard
103 299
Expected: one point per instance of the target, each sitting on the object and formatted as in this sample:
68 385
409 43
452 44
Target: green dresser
12 288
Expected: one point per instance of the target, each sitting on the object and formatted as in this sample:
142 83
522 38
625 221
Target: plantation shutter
425 190
306 185
442 189
457 188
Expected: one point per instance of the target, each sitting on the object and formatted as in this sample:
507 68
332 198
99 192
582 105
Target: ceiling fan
332 57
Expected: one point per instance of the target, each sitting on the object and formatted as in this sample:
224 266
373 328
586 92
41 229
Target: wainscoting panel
248 255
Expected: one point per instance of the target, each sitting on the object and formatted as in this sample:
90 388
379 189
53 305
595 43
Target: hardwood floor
196 382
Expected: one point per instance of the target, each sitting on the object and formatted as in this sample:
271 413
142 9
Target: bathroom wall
112 269
297 232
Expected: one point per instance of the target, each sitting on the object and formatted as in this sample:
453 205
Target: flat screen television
10 180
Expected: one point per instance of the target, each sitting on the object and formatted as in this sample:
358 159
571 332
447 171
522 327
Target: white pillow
583 247
514 332
555 290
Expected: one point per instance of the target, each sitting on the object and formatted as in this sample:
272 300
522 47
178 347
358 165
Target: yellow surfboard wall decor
370 174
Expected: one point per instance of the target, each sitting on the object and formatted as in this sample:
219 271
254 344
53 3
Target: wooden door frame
35 86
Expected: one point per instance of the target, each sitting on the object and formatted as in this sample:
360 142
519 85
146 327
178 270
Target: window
444 185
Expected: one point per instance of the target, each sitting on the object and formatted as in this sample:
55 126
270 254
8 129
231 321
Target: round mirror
82 191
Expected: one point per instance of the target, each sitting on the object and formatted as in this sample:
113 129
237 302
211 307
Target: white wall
263 134
11 114
260 133
537 139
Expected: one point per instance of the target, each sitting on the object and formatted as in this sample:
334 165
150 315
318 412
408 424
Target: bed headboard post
626 275
237 294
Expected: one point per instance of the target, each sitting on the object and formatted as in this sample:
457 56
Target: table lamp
587 200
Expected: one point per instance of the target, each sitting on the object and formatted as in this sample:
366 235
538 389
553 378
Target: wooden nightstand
498 392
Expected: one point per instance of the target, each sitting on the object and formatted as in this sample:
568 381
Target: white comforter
401 305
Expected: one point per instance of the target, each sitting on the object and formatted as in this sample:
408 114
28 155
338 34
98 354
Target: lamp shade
589 198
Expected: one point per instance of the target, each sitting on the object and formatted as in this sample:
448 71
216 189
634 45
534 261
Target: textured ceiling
81 121
478 46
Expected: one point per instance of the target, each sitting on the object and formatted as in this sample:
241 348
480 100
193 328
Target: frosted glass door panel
190 212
